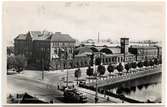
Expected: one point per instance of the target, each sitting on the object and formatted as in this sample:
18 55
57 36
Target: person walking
108 99
104 93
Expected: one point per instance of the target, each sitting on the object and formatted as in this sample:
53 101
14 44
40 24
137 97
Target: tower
124 45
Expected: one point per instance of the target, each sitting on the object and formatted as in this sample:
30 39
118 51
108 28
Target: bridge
132 78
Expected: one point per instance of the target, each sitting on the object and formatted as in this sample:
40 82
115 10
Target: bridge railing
127 76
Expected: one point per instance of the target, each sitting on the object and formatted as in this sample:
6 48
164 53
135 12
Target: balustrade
126 76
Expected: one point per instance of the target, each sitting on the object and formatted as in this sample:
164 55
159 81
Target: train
72 95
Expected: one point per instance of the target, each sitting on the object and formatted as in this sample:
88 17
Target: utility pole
66 57
42 54
98 37
67 76
96 94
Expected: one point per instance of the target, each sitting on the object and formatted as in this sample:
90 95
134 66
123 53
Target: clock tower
124 45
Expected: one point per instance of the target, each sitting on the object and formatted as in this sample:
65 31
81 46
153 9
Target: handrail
131 75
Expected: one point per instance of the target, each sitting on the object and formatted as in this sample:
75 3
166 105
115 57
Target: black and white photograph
85 52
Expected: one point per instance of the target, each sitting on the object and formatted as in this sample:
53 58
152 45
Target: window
60 44
55 51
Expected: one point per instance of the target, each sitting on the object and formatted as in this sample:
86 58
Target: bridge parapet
133 74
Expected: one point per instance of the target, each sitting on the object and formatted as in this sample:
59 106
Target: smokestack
98 38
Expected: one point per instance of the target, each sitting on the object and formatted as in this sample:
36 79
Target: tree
134 65
146 63
77 74
160 61
10 50
97 61
111 68
21 63
140 64
89 71
91 59
101 69
151 63
156 61
120 67
127 66
10 61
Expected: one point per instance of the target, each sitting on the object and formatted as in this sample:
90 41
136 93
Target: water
151 92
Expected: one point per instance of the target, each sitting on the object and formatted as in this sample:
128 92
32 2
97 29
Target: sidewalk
102 97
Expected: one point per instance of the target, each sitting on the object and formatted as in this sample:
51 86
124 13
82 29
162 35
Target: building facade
47 50
41 48
146 52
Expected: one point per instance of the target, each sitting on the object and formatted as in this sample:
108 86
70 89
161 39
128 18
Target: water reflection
144 93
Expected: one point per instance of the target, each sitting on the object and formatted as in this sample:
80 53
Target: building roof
38 35
83 50
21 37
142 47
58 36
83 54
117 54
45 35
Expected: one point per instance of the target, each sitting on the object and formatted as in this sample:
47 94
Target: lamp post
96 94
67 78
42 54
66 57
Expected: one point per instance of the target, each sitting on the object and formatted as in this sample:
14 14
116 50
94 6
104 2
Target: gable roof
21 37
45 35
38 35
62 37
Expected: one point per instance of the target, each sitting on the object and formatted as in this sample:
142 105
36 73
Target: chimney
98 37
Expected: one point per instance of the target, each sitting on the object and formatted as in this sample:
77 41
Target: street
30 82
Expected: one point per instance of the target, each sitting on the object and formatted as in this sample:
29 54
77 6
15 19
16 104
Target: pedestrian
58 87
96 99
104 93
51 101
108 99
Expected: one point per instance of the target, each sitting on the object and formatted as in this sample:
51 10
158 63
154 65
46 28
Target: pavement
102 97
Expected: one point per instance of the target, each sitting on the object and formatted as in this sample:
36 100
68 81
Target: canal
143 93
151 92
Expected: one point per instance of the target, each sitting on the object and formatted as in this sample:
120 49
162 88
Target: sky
83 20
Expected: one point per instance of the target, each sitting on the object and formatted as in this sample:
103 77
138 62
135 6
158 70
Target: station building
47 50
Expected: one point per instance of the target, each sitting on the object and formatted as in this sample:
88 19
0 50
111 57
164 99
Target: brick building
40 48
146 52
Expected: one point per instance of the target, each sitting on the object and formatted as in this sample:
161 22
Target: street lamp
66 57
42 54
96 95
96 74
